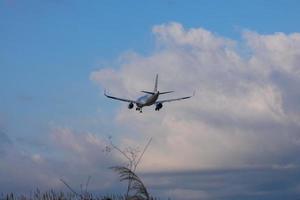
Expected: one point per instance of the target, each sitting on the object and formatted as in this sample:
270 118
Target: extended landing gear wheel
139 109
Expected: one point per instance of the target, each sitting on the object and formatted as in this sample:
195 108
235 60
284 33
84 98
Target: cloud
278 51
81 148
242 124
5 141
72 156
174 35
239 183
245 112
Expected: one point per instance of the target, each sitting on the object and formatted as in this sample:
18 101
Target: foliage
53 195
133 157
137 190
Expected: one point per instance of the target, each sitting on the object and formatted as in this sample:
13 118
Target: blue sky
49 48
54 56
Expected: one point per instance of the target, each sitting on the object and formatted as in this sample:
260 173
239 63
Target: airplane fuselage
147 100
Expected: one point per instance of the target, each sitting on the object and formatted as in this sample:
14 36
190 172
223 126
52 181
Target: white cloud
173 34
85 149
238 116
275 52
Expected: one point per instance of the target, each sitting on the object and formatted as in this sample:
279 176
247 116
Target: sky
237 138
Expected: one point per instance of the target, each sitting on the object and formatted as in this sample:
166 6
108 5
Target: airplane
149 99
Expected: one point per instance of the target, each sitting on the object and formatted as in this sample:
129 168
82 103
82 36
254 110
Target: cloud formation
4 141
72 156
243 122
245 112
245 183
239 111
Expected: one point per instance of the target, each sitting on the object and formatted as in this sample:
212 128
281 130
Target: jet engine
158 106
130 105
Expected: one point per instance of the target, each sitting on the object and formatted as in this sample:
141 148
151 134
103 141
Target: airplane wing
176 99
170 100
120 99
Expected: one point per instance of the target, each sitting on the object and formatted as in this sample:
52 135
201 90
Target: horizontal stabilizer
166 92
148 92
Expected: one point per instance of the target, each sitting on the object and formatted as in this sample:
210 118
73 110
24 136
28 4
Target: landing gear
139 109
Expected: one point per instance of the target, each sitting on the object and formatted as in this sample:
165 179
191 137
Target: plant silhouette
137 189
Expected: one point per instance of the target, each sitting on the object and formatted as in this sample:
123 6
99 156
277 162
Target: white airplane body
149 99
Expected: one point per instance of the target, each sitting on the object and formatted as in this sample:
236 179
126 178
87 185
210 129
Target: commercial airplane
149 99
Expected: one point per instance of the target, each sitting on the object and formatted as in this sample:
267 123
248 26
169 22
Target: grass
136 191
53 195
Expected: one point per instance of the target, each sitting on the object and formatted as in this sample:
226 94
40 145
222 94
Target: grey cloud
4 139
244 183
289 85
5 142
73 156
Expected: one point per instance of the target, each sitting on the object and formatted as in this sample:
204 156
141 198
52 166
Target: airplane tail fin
156 83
